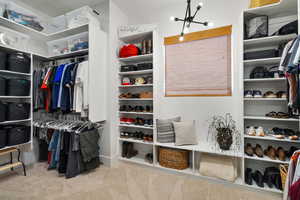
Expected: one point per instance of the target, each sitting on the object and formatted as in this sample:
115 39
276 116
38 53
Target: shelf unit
256 108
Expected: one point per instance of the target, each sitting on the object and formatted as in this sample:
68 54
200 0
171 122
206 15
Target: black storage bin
18 87
17 134
18 111
2 86
3 137
270 53
3 60
18 62
3 111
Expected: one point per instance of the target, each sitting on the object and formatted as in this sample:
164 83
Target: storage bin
18 87
2 86
173 158
259 3
3 137
3 110
19 62
17 134
3 59
18 111
271 53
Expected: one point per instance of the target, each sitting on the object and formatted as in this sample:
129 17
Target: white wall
221 12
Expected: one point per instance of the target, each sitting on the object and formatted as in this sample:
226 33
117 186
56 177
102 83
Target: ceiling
58 7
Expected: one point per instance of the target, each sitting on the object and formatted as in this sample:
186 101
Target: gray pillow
185 133
165 130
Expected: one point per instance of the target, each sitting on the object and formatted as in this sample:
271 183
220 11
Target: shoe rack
136 112
255 109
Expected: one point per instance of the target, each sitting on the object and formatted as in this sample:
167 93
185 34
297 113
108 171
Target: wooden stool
11 165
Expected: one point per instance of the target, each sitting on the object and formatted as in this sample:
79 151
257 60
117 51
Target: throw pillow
185 133
165 130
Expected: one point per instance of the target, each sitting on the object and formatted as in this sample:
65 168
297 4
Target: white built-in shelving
255 109
149 71
140 58
141 85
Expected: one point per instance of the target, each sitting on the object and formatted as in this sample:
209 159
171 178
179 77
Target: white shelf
140 58
238 181
265 99
272 40
70 54
184 171
16 121
264 79
271 119
263 61
16 146
135 99
15 97
284 8
172 145
136 113
149 71
41 35
137 159
271 138
266 159
205 148
130 86
14 73
135 126
134 37
135 141
265 188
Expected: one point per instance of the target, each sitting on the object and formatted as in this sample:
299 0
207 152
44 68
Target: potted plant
223 130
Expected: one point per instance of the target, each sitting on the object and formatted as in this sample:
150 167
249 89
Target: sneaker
270 94
248 94
251 131
257 94
260 132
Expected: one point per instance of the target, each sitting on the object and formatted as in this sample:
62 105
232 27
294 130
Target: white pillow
185 133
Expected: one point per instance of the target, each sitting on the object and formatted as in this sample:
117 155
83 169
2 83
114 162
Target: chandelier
189 19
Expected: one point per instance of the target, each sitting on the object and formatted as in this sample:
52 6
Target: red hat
129 50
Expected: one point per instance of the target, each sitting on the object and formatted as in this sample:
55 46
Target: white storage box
78 17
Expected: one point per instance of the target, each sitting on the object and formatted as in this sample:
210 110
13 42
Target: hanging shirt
61 85
56 86
81 89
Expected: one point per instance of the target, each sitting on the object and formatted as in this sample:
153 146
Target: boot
131 152
124 149
258 178
248 176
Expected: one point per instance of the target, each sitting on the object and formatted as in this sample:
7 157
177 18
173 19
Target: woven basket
175 159
283 173
259 3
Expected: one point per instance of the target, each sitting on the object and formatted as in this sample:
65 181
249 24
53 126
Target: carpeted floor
125 182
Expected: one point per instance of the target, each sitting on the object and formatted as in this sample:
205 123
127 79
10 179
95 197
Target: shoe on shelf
269 176
281 154
278 133
248 94
270 94
257 94
258 151
149 158
249 150
281 94
260 132
123 108
248 176
123 120
251 131
258 178
270 152
131 152
124 149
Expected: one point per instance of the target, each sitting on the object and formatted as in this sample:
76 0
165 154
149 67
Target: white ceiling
58 7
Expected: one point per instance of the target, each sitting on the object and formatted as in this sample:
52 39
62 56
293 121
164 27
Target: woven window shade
201 65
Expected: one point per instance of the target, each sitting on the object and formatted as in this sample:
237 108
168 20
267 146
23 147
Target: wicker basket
283 173
175 159
259 3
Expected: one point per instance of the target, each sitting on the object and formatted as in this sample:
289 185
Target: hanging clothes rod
65 60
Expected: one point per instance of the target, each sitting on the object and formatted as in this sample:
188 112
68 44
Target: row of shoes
138 67
137 81
138 135
279 133
268 94
270 152
129 108
271 177
137 121
142 95
128 151
264 72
